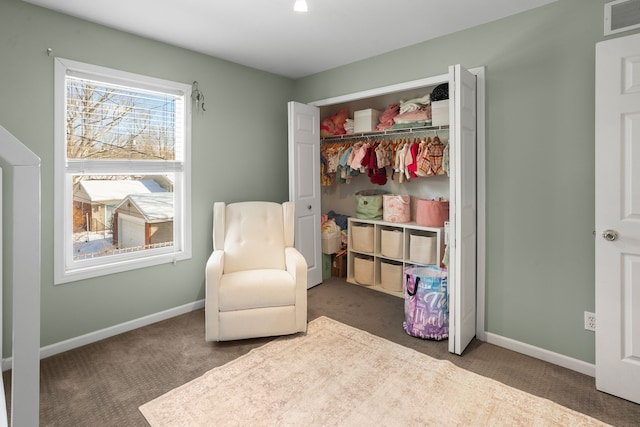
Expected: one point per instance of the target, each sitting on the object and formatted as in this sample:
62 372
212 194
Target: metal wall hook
197 96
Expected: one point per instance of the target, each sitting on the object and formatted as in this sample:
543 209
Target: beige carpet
339 375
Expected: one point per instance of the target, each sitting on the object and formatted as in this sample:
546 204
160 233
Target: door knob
610 235
309 207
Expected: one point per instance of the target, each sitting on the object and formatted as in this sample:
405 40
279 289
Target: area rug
337 375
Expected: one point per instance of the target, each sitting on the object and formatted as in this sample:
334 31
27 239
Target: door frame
479 72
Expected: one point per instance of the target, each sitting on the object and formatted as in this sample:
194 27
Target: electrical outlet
589 321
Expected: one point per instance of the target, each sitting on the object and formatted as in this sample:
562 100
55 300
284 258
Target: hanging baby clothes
330 162
345 169
393 145
384 153
377 174
332 154
412 165
401 153
445 159
420 157
326 179
358 153
432 155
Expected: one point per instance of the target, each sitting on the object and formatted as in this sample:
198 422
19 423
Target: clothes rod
384 133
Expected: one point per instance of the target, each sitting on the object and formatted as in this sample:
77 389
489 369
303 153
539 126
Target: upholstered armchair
256 281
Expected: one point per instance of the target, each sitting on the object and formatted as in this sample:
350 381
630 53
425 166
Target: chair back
253 235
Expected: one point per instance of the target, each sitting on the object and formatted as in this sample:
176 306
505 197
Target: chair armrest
297 266
215 265
213 274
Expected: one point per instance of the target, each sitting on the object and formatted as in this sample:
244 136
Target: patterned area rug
337 375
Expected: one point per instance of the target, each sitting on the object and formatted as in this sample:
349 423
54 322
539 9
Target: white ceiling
270 36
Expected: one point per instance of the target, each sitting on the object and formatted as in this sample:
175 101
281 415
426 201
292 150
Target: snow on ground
91 242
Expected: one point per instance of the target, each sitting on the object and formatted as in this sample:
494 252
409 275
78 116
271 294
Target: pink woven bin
396 208
432 213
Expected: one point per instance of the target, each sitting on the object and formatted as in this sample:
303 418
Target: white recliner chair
256 281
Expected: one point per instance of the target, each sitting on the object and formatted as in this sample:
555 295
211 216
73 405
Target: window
122 171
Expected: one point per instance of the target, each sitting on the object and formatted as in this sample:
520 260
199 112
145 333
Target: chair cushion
254 236
244 290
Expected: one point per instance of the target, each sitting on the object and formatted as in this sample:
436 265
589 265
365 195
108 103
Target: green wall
239 152
539 146
540 74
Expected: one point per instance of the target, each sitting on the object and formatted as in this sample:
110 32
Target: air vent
621 15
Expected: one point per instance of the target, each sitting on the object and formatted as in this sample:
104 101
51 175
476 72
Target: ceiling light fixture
300 6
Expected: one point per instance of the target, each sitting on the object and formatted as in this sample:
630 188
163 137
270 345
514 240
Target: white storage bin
362 238
331 243
363 271
440 113
391 243
365 120
422 249
391 276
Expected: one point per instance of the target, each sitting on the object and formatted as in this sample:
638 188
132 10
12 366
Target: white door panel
462 268
617 264
304 185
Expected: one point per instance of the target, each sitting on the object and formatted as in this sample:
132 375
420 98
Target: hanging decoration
197 96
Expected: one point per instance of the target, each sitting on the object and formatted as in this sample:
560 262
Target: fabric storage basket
331 242
369 204
432 213
362 238
426 302
391 243
422 249
396 208
391 276
363 271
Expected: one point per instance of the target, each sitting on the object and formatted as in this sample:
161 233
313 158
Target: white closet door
304 185
617 217
462 254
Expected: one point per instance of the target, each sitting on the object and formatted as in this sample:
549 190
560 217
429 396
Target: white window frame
66 269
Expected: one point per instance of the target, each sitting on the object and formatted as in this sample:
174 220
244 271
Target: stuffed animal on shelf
334 125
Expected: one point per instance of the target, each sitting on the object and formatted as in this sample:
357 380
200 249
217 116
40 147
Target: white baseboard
542 354
92 337
508 343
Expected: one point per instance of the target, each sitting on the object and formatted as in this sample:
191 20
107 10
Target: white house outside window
122 171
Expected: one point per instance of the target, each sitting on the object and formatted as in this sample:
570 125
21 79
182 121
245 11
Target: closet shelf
375 134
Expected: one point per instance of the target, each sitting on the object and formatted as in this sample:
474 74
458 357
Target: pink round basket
432 213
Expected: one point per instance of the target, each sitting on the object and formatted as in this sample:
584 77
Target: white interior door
462 231
304 185
617 216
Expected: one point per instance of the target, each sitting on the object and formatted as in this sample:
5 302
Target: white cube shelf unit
373 243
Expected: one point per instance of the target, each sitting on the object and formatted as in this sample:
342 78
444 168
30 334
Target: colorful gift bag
426 303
